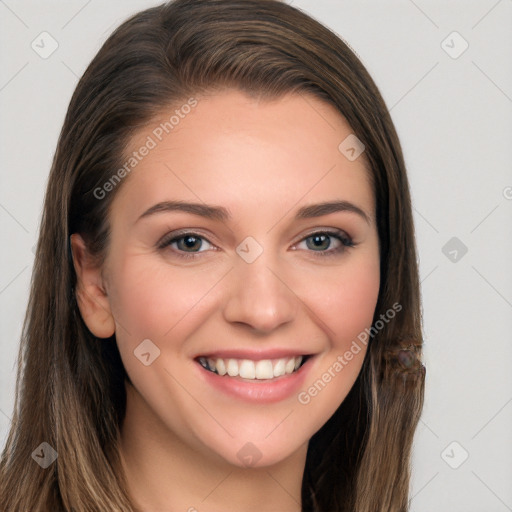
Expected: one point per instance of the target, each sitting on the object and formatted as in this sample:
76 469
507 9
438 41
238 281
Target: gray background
453 115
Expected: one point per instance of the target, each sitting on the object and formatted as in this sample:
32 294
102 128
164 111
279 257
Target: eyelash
346 242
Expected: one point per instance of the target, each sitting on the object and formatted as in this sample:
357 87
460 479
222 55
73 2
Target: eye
186 245
321 242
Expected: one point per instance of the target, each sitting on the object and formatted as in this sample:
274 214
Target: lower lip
260 391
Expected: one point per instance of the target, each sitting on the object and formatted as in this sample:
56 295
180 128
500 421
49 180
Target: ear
90 293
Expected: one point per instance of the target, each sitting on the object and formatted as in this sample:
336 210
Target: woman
225 308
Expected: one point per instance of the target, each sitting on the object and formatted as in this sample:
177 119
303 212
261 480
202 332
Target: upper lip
255 354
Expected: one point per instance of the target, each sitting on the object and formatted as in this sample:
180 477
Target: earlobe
91 296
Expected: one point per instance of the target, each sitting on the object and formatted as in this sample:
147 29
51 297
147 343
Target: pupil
318 240
190 242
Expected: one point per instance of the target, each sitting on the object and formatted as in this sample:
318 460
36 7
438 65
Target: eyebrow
219 213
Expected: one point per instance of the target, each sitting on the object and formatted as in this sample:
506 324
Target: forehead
243 152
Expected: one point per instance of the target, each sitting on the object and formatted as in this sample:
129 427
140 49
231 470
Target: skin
262 160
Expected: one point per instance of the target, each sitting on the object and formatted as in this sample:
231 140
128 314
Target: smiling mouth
264 369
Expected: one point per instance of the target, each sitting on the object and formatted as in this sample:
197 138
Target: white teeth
290 366
248 369
264 369
221 367
232 368
279 368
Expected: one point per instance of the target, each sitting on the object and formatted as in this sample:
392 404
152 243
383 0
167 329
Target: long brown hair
70 386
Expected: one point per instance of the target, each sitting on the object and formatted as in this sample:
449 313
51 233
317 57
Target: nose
259 296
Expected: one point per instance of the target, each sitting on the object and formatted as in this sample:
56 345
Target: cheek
156 301
345 301
160 300
344 305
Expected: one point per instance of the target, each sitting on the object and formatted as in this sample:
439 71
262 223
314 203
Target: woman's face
249 279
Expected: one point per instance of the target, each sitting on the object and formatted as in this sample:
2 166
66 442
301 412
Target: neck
165 474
